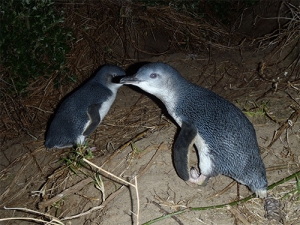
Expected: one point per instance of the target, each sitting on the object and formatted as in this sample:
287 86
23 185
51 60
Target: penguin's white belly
106 106
102 111
205 162
80 139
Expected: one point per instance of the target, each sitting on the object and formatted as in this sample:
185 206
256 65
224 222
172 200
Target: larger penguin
224 138
82 111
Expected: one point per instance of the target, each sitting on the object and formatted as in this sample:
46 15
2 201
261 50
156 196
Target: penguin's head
110 75
154 78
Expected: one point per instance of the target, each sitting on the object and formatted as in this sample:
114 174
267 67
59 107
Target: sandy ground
27 167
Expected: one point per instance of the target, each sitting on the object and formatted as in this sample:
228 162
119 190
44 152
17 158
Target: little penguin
224 138
82 111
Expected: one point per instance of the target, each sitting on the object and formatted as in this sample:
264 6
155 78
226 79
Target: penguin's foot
197 178
93 149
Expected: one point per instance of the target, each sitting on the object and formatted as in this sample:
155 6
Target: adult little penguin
224 138
83 110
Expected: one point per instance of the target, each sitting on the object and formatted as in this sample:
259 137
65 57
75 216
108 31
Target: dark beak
117 79
129 80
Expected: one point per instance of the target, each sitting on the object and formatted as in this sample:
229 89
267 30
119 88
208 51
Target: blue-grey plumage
224 138
82 111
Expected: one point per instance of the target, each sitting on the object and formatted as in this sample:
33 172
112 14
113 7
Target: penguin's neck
173 94
114 86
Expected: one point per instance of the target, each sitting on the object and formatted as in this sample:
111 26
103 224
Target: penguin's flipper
182 145
95 118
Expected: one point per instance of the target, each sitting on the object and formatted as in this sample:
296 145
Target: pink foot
92 149
197 178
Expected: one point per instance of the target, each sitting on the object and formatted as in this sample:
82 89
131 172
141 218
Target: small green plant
74 159
33 42
255 109
99 184
136 152
75 162
58 206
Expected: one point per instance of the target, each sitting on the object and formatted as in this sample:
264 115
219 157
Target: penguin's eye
153 75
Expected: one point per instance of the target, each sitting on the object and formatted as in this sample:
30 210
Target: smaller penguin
224 138
83 110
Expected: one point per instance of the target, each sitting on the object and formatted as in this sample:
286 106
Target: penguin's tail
261 193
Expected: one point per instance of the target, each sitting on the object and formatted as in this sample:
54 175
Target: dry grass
120 34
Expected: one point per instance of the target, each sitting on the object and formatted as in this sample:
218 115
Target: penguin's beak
117 78
130 80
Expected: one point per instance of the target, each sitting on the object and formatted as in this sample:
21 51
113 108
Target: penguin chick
224 138
83 110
